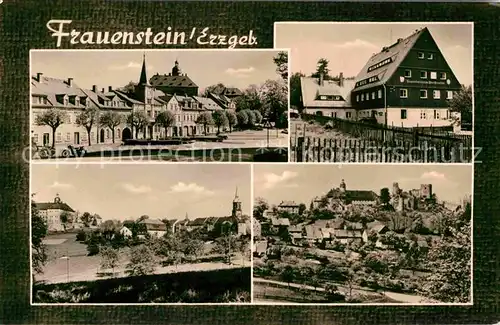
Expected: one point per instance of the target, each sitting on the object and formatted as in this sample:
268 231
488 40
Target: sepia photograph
163 234
353 234
168 105
380 92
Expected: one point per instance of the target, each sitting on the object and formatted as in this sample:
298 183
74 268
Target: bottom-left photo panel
150 233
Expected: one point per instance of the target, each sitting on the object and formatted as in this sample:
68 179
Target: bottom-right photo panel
362 234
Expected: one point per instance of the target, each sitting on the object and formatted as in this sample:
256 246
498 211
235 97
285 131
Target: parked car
222 136
59 151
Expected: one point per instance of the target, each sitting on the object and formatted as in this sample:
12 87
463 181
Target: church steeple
236 205
143 80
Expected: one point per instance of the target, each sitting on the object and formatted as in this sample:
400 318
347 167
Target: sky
349 46
128 191
301 183
233 68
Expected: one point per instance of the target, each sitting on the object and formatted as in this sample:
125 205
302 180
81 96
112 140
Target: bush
81 236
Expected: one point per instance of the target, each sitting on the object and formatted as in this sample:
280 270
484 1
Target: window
348 114
423 93
436 114
357 98
58 137
433 75
436 94
421 55
68 136
362 97
322 97
373 95
149 100
408 73
423 115
430 56
442 75
380 93
404 114
449 94
380 113
403 93
423 74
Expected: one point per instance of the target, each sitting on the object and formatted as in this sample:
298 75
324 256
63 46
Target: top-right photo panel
380 92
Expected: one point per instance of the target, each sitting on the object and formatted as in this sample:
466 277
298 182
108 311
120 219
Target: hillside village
361 239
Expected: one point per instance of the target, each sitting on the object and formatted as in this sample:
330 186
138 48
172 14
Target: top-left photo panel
159 105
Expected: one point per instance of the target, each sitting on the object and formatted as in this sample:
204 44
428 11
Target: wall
413 117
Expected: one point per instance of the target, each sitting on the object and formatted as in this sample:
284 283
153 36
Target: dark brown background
22 27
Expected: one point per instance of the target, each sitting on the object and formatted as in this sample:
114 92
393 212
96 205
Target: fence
379 143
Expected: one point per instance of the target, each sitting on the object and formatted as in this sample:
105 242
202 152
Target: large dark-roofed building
175 82
407 84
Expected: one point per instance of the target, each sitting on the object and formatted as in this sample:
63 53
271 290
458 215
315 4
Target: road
401 297
235 141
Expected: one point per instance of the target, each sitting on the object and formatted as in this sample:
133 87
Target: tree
128 88
141 261
296 91
462 102
138 121
38 233
281 61
53 118
165 119
450 260
258 117
302 208
252 118
193 247
205 119
109 258
86 219
111 120
274 95
87 119
214 89
220 119
288 274
242 117
259 207
251 99
322 68
225 245
65 218
232 120
385 197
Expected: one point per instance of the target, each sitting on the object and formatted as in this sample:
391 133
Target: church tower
236 205
176 70
143 91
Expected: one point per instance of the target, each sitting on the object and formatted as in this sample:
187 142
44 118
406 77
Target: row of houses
406 84
174 92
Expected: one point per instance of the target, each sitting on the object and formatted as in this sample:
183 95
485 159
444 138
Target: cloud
182 187
357 43
63 186
240 72
433 176
130 65
136 189
272 180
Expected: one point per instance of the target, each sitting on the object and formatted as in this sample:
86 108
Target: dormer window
442 75
421 55
423 74
430 56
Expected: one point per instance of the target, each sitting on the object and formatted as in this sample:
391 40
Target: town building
328 97
407 84
289 207
51 212
126 232
154 227
149 96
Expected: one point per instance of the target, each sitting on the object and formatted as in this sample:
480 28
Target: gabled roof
341 233
154 224
208 103
354 195
232 91
311 89
172 81
395 53
288 204
54 206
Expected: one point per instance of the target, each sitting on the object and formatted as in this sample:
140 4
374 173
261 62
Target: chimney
94 88
39 77
321 78
102 90
70 82
341 79
110 89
